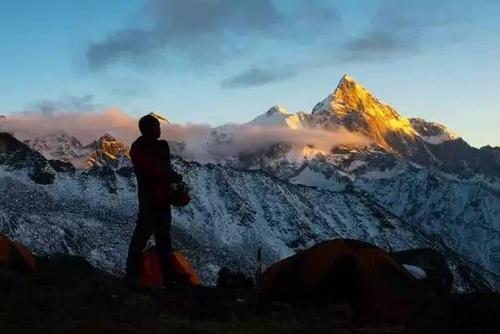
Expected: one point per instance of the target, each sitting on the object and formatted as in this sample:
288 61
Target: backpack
179 195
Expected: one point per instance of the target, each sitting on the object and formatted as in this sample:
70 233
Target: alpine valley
408 184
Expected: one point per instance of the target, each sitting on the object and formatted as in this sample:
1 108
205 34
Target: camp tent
151 275
15 259
348 272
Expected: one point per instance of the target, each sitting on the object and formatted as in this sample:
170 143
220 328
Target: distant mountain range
353 107
412 184
105 150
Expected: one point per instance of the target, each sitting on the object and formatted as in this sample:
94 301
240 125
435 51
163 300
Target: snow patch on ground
379 174
415 271
311 178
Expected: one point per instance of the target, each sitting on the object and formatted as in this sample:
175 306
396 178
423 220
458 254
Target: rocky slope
17 157
446 191
416 169
462 213
107 151
353 107
57 146
104 151
233 213
278 116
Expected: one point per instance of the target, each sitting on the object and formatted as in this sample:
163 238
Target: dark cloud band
200 28
256 76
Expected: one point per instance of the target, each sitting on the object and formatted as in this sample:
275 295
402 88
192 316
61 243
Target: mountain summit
354 107
347 96
277 109
446 190
162 119
278 116
107 151
104 151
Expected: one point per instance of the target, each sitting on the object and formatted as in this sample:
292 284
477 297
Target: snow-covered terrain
233 213
416 184
60 146
463 213
104 151
418 170
278 116
432 133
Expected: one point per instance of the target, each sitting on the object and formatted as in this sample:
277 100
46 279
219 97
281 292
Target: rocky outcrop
14 155
108 151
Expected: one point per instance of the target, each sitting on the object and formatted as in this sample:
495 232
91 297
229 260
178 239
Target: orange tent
151 275
344 272
16 257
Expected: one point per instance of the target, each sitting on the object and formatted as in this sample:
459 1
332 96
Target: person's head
150 127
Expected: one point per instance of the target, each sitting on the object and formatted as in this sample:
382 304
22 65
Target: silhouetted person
151 160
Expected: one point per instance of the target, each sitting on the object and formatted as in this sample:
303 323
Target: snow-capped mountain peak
349 97
244 211
347 92
277 109
162 119
355 108
432 133
107 137
59 146
107 150
278 116
104 151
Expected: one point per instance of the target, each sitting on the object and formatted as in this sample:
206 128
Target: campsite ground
70 296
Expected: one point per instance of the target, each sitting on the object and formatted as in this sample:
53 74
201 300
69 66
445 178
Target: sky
220 61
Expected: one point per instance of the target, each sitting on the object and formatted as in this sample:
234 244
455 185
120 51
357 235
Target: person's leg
140 237
164 246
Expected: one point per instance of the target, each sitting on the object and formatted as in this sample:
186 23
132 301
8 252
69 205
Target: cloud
200 139
205 31
400 28
128 87
84 125
258 76
248 139
67 104
190 34
395 29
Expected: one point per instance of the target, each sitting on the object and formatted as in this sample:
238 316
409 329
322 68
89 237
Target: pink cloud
87 126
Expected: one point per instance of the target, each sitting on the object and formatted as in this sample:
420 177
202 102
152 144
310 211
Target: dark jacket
153 169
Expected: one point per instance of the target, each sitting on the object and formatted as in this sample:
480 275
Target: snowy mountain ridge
432 133
278 116
105 150
422 171
233 213
354 107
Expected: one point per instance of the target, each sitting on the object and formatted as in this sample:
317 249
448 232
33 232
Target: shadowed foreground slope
68 295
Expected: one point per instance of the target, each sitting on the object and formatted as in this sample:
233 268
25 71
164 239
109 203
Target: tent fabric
344 271
151 274
16 257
